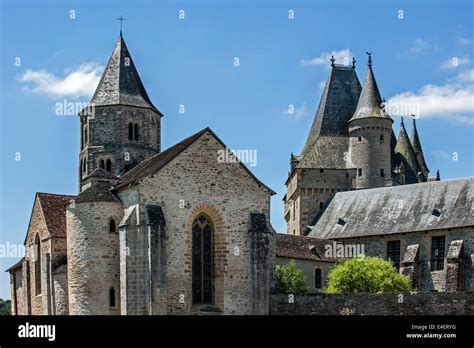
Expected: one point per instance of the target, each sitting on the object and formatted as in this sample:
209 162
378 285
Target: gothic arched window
130 131
112 302
135 133
202 273
37 264
318 278
108 165
102 164
112 225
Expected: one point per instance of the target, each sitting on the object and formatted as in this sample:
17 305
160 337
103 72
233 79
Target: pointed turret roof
406 156
370 103
120 83
328 137
415 141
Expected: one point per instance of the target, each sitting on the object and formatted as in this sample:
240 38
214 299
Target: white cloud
464 41
77 83
454 100
455 62
342 57
296 112
419 45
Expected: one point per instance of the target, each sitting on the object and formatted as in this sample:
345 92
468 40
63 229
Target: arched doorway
202 262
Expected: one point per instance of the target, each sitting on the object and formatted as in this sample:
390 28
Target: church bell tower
121 127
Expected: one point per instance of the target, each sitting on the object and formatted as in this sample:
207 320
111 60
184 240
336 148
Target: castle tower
322 169
122 126
406 158
415 142
370 130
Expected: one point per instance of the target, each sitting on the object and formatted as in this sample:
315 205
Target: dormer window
341 222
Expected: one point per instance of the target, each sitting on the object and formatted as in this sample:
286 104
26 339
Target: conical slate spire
370 103
406 156
329 131
415 141
120 83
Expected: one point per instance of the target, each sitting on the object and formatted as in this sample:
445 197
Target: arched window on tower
37 265
135 132
108 165
84 166
130 131
112 302
102 164
318 279
112 225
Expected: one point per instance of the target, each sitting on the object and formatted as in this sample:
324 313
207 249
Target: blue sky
422 56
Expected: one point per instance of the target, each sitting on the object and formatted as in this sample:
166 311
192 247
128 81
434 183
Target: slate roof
120 83
398 209
302 248
101 173
97 192
153 164
53 207
405 154
370 102
16 266
328 137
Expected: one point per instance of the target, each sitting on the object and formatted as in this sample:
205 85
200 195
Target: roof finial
370 58
414 119
354 62
332 60
121 19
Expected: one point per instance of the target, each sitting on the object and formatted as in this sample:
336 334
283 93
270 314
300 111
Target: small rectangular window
321 170
393 252
347 175
381 138
321 205
437 253
382 174
359 171
359 139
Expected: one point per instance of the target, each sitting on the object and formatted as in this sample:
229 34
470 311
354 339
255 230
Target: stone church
150 231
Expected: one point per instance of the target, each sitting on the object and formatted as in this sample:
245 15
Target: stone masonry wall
192 183
430 280
459 303
93 257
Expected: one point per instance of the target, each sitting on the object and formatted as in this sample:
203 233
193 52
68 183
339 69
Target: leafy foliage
366 274
5 307
290 279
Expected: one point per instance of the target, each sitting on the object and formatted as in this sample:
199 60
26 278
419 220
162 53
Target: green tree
290 279
366 274
5 307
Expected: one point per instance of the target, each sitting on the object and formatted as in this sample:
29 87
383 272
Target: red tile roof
54 212
299 247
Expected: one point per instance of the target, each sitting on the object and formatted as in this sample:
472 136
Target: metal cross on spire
121 19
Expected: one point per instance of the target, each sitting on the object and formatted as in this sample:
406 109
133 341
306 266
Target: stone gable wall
196 182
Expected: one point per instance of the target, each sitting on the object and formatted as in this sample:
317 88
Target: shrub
290 279
367 275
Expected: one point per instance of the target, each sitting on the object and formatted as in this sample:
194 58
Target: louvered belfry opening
202 239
